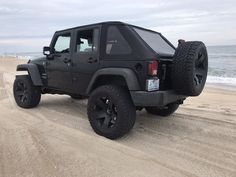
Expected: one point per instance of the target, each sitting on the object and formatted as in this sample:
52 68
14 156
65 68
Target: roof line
100 23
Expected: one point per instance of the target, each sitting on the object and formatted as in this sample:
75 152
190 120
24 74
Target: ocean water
221 67
24 55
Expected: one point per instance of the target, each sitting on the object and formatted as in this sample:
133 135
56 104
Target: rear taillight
153 68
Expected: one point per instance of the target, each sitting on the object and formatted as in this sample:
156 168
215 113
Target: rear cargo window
116 43
155 41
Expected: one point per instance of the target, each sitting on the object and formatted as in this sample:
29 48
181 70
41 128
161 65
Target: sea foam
230 81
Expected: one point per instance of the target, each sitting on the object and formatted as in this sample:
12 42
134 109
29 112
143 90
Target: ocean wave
32 56
230 81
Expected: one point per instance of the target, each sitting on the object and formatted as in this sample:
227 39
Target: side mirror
46 51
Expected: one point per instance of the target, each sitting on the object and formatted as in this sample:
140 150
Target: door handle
92 60
66 60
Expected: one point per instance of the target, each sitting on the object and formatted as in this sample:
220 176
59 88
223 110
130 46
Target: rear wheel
165 111
25 93
111 111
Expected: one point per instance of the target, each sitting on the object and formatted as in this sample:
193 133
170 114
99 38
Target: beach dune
55 138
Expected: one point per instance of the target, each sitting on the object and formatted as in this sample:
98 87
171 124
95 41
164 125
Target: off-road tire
25 93
121 101
166 111
189 69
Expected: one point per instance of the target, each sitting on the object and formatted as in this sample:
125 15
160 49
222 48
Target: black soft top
142 49
107 23
95 24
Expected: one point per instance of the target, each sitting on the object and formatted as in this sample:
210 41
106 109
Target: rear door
85 57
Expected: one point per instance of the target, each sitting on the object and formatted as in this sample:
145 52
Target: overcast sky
27 25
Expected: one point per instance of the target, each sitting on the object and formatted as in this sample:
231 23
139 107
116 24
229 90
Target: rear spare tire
189 70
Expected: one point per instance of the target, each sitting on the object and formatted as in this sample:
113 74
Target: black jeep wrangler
120 68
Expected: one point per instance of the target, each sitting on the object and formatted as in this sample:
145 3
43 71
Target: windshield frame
151 31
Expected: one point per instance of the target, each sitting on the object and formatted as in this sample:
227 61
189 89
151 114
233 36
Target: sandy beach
55 138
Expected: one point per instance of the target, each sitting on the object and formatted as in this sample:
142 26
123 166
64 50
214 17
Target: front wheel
111 111
25 93
165 111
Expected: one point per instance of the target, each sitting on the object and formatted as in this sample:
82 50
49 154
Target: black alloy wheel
22 92
106 113
200 68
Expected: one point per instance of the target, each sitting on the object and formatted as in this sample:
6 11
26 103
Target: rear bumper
157 98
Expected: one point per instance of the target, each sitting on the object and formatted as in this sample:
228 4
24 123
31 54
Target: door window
87 41
62 44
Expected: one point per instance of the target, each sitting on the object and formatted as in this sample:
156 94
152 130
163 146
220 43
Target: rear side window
116 43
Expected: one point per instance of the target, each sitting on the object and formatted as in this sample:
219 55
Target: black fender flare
128 74
32 71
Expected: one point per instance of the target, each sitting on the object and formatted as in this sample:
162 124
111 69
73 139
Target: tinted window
87 40
155 41
62 44
116 43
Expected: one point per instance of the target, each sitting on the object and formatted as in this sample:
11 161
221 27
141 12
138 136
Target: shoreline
218 86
